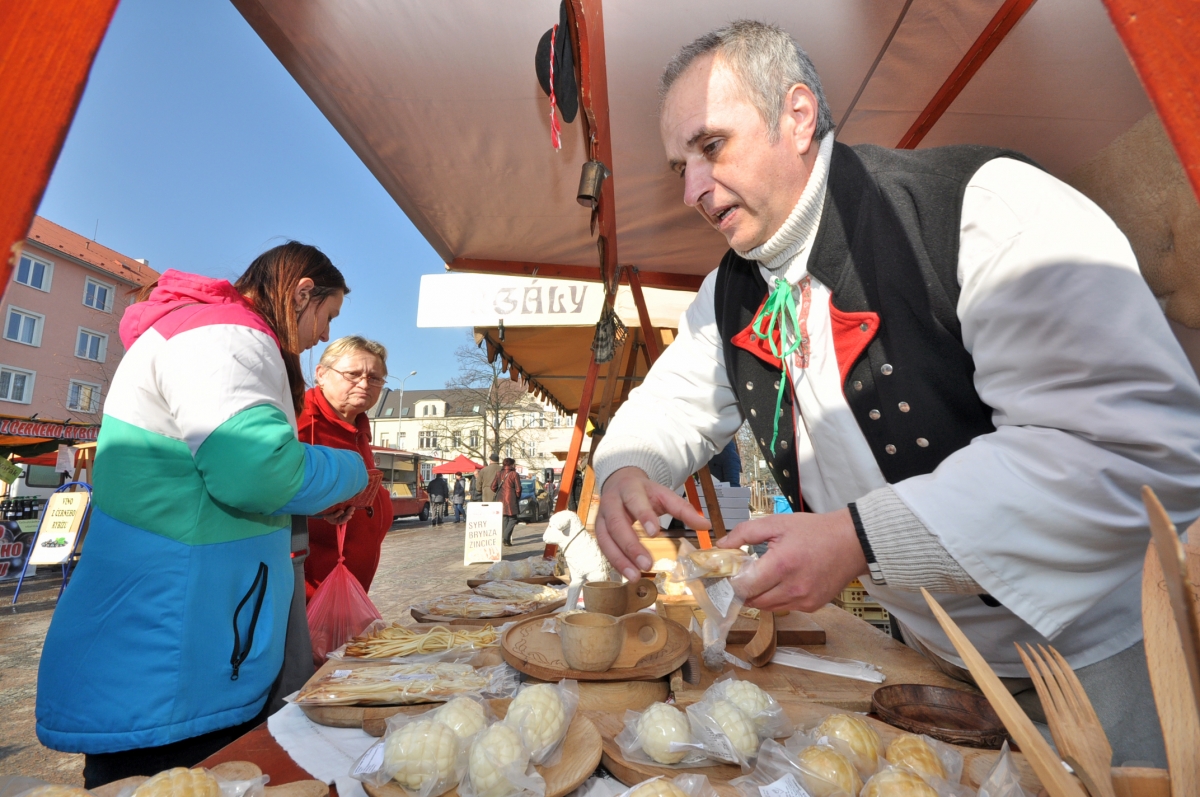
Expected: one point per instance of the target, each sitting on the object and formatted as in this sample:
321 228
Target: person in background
507 488
438 491
458 497
726 466
350 377
487 476
171 635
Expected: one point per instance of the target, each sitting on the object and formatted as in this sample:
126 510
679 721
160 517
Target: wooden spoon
761 647
1039 754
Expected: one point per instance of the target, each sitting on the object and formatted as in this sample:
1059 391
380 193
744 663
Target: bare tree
487 412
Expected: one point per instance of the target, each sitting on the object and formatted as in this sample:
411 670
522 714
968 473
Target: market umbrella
460 464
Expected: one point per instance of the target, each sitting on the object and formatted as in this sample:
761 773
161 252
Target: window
532 449
383 440
16 385
426 472
508 451
24 327
388 411
98 295
43 476
83 397
457 440
474 440
427 439
91 345
34 272
400 439
508 421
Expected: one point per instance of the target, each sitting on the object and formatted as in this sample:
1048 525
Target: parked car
535 501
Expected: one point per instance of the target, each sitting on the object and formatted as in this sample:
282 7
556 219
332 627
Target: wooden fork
1073 722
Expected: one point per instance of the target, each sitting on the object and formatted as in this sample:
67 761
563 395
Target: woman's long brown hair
270 285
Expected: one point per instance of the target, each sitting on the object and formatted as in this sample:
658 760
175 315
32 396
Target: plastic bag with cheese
779 773
184 782
543 714
424 757
928 757
720 603
498 765
679 786
660 736
770 722
1003 780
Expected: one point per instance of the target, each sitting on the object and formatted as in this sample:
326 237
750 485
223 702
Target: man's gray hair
767 61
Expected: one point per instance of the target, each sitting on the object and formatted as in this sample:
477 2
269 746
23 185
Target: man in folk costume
951 364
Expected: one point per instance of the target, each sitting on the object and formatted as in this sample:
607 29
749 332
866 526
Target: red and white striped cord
555 127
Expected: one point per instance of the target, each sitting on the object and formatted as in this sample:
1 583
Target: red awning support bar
48 48
993 33
1160 37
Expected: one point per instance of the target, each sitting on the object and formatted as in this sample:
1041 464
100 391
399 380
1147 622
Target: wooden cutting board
976 763
580 756
421 617
476 582
791 630
539 654
1168 674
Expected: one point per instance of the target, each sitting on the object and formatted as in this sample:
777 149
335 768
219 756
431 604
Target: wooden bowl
947 714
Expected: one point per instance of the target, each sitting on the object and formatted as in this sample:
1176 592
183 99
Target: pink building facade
59 343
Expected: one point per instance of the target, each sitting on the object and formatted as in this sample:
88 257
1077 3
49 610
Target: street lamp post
400 421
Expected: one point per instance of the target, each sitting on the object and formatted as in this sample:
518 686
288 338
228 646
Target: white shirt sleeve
1092 398
684 412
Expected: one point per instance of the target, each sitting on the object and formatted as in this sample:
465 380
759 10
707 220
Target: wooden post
581 421
46 52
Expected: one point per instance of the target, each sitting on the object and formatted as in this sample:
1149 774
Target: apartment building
60 345
447 423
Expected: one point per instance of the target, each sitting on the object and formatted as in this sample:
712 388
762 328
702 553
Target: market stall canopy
459 464
548 326
441 103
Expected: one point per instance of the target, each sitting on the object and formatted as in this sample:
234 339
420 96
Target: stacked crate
855 600
734 503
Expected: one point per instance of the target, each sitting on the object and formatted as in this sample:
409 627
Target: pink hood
178 289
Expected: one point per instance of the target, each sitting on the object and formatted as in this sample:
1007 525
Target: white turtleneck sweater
1092 397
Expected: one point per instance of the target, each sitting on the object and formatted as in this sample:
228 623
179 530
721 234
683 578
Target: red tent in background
460 464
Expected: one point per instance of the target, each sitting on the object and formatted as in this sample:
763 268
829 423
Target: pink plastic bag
339 609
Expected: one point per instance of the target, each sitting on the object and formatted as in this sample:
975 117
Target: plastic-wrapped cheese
752 700
421 752
539 713
660 725
497 749
864 742
659 787
912 752
831 772
893 782
464 716
54 790
180 782
736 725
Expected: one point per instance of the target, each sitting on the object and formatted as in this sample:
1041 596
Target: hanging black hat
566 90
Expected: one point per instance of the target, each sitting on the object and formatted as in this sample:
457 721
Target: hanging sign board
65 463
16 541
484 532
9 472
60 527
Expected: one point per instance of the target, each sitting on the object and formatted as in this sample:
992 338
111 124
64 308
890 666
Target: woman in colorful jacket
171 633
350 378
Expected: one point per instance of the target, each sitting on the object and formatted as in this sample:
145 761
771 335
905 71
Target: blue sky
194 148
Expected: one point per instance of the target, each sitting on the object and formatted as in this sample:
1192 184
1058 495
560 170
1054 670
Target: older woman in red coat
349 380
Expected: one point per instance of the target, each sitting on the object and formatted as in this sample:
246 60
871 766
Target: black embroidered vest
887 248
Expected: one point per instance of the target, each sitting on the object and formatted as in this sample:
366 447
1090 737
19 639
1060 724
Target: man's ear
800 110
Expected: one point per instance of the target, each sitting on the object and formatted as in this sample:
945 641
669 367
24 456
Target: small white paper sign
65 463
484 532
784 787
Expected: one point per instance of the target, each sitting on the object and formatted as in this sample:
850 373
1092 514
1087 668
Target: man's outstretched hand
809 559
630 495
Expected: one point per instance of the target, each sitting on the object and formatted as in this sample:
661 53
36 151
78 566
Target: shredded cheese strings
398 641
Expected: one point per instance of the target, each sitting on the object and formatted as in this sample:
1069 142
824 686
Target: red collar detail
852 333
757 345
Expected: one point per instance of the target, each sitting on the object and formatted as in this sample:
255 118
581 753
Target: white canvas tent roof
441 103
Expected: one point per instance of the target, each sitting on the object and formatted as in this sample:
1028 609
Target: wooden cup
616 599
594 642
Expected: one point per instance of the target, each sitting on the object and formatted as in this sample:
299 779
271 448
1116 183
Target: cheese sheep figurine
580 549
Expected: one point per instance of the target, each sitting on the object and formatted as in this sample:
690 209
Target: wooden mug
594 642
616 599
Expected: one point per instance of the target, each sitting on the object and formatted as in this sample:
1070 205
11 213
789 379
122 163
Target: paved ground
418 562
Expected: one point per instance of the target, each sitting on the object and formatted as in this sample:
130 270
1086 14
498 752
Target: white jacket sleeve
684 412
1092 399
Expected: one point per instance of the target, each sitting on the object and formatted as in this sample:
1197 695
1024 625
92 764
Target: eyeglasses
355 377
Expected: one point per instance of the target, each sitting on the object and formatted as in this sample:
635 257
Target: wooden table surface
847 637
